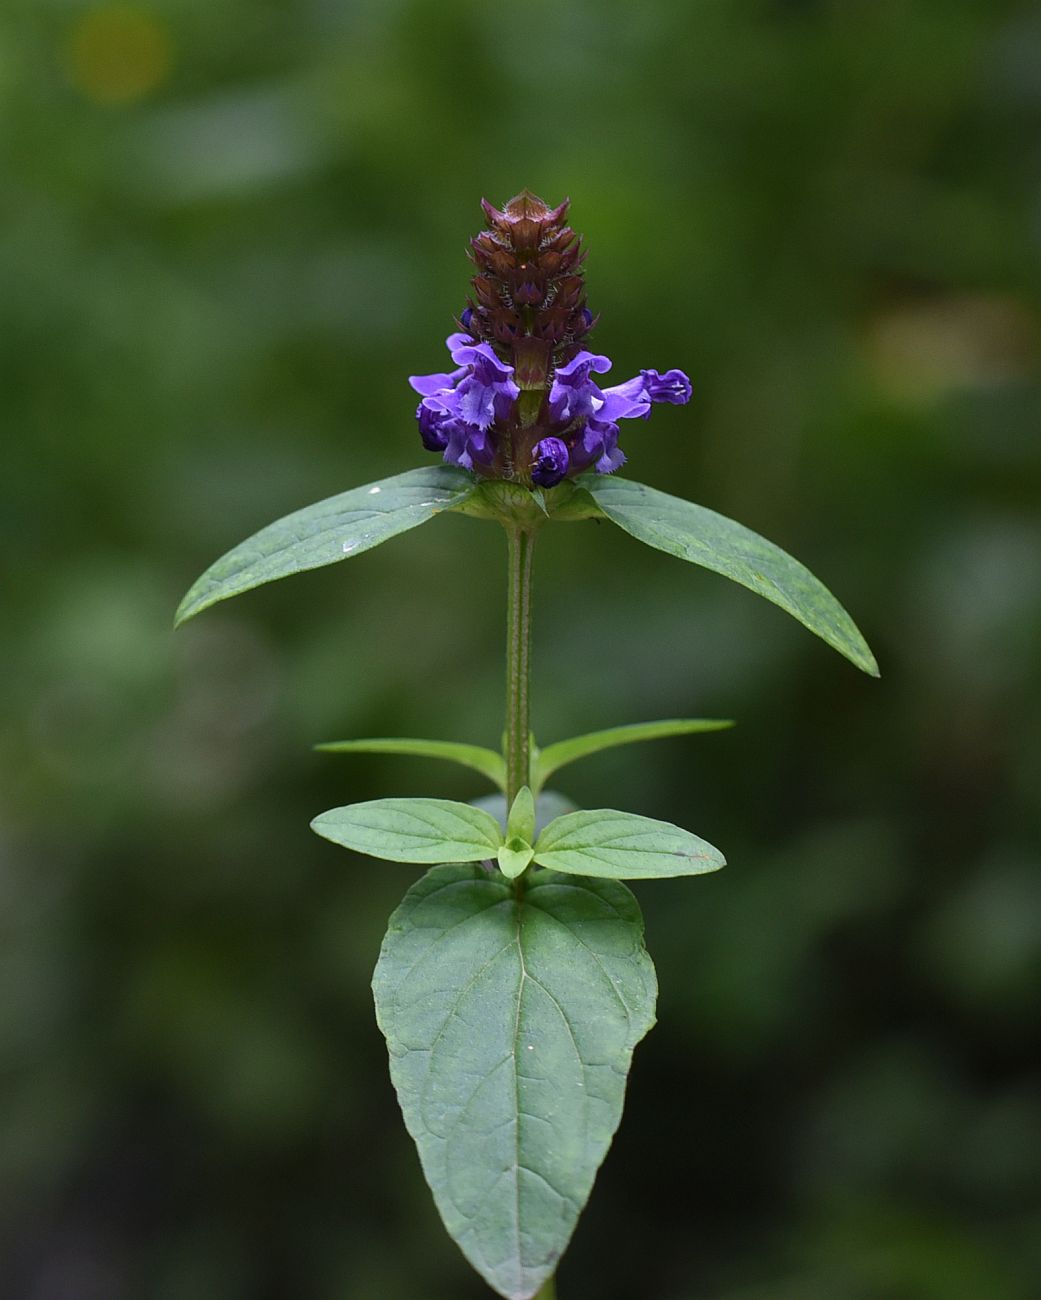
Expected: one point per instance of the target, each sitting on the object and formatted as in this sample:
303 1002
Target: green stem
521 549
521 545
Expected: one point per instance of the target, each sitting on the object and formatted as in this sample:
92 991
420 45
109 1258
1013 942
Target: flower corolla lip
673 387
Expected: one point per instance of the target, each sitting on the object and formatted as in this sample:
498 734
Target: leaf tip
183 613
318 826
863 659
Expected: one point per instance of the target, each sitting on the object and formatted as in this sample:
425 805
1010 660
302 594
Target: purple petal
476 402
626 401
573 394
578 368
612 459
459 342
458 452
673 387
427 385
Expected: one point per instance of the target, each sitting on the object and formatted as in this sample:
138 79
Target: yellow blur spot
922 351
118 54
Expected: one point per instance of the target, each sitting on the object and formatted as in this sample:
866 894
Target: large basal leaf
476 757
511 1026
623 846
701 536
554 757
330 530
413 830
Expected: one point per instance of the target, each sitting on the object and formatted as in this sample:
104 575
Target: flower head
523 401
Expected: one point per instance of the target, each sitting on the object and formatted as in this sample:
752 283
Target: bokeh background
229 232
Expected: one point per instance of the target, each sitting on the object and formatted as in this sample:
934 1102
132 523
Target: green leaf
623 846
485 761
554 757
548 804
701 536
511 1025
514 856
413 830
521 821
329 531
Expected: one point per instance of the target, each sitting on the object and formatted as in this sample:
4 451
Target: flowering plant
513 983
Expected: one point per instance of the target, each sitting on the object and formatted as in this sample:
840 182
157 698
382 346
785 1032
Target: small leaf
329 531
556 756
485 761
703 537
623 846
511 1026
413 830
548 805
514 856
521 821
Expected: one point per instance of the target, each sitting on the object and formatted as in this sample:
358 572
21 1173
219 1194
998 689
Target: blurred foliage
229 233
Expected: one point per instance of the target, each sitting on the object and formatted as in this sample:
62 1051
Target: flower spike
522 403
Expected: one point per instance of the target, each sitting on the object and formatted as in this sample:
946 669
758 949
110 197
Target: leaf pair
544 762
600 842
352 522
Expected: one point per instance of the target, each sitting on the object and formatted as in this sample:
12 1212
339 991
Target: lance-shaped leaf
511 1025
476 757
413 830
330 530
623 846
556 756
701 536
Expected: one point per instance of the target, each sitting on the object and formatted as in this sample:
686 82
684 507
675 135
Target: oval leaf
476 757
328 531
511 1025
554 757
694 533
413 830
623 846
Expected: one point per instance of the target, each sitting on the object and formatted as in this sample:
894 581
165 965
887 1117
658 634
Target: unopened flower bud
549 462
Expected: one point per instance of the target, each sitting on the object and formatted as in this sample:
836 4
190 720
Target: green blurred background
229 232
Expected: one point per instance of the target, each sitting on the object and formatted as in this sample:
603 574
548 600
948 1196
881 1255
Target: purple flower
549 462
487 392
597 447
573 394
524 401
460 407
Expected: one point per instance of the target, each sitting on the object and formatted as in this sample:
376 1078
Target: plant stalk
521 546
521 550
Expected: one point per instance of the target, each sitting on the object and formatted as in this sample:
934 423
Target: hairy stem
521 544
